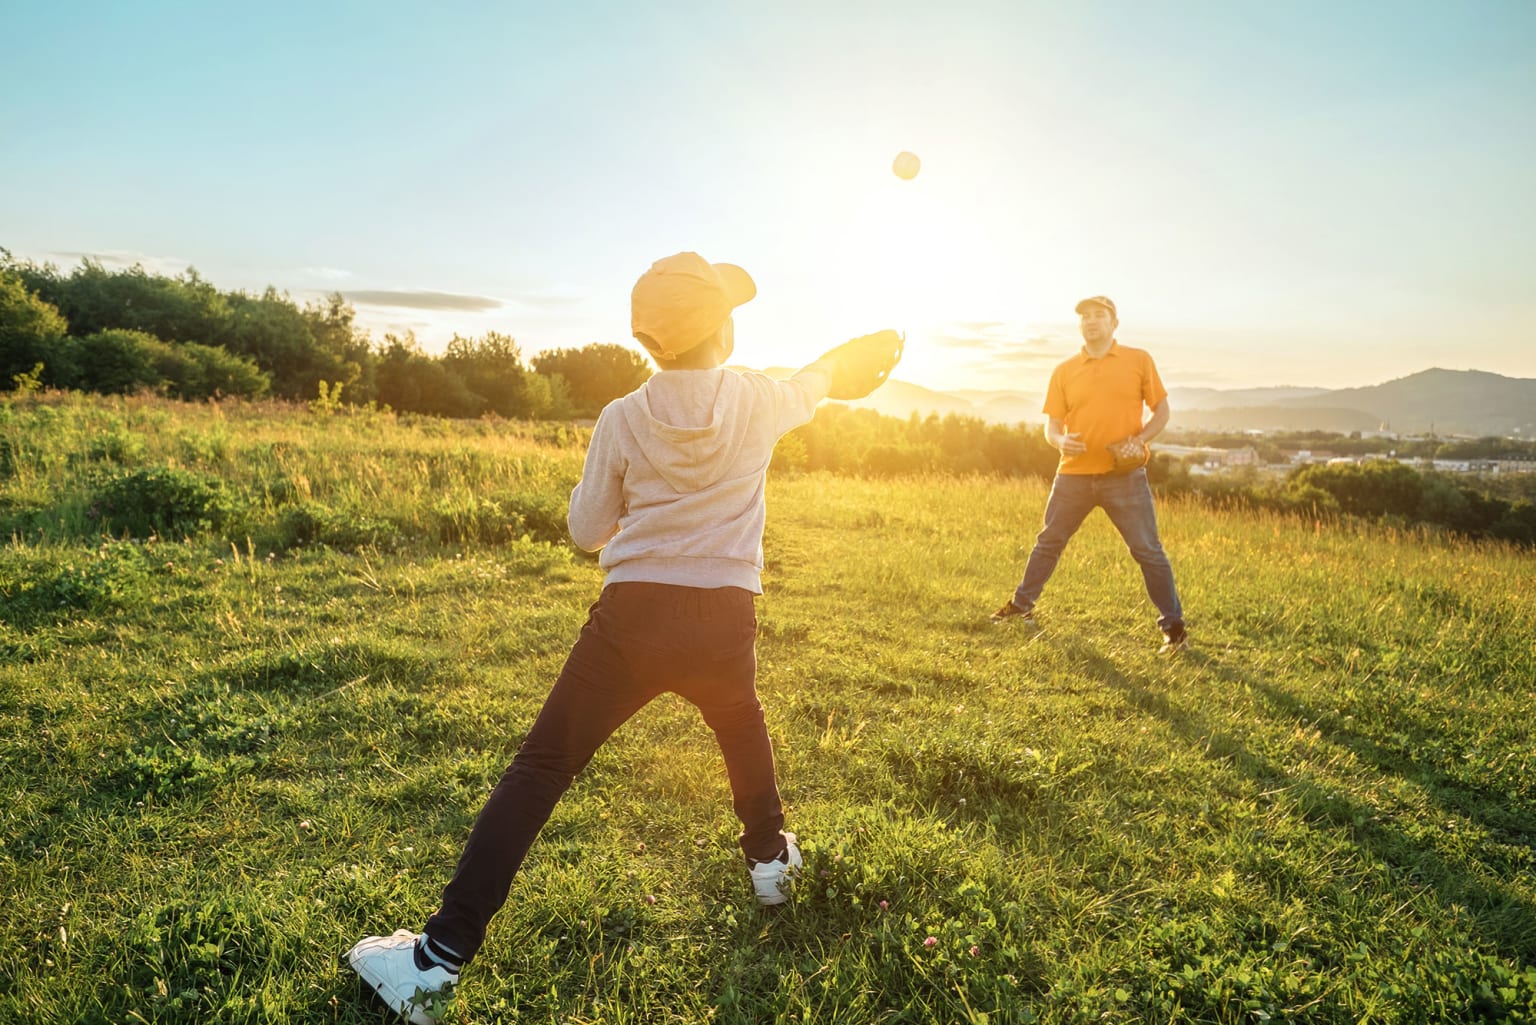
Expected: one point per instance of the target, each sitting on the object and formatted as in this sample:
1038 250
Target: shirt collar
1113 350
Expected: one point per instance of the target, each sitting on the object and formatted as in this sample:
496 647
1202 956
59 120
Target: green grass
226 756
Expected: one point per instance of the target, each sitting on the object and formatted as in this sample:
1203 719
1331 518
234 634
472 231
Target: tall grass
228 752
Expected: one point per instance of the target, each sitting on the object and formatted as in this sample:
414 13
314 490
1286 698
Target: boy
673 493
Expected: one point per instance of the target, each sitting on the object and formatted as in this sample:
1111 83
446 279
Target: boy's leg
720 679
1128 502
1070 502
593 696
734 713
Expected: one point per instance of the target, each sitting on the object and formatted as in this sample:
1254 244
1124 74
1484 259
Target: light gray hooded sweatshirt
673 486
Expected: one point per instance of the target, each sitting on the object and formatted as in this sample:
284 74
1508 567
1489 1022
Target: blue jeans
1127 500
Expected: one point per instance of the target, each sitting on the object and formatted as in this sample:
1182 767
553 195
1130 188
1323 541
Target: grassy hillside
229 750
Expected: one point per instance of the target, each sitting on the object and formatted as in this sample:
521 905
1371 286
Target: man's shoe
1011 612
771 880
388 964
1175 640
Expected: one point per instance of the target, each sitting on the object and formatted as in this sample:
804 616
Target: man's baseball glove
862 365
1130 454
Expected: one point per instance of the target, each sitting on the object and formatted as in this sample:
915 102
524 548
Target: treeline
842 439
125 331
121 332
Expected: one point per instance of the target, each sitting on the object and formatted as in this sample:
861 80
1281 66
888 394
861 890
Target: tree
411 381
275 334
92 298
596 374
492 370
296 348
31 332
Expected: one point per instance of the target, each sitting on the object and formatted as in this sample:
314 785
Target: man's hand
1130 454
862 365
1070 444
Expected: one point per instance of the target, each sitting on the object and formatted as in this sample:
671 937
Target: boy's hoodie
673 486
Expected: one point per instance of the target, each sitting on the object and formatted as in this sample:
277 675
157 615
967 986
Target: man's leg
1128 501
1070 503
594 695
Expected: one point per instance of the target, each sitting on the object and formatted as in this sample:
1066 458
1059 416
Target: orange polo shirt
1100 400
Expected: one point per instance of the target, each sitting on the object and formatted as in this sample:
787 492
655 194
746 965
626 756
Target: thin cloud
423 300
546 300
122 259
961 342
327 273
997 339
1023 357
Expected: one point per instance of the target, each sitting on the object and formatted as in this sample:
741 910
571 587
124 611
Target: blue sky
1303 193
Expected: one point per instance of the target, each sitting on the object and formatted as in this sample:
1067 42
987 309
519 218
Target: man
1094 405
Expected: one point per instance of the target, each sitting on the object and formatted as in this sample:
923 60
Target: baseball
906 165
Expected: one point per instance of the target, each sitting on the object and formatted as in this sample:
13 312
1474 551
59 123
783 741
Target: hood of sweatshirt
691 425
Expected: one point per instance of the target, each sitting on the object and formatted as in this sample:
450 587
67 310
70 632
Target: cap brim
739 286
1086 303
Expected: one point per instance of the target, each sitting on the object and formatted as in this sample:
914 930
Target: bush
193 371
119 362
161 500
310 523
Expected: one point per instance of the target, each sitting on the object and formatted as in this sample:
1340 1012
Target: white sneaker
771 879
388 964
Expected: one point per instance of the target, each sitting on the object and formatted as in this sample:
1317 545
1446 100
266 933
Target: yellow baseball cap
1098 300
683 299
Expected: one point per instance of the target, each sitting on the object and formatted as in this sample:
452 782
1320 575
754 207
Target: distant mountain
1218 398
1444 401
1273 418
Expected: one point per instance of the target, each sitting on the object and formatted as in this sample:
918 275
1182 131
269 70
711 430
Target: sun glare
916 256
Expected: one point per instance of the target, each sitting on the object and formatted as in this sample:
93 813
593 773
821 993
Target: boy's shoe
388 964
1011 612
1175 640
771 880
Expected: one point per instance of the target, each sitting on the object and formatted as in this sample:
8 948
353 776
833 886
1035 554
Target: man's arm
1153 427
1065 440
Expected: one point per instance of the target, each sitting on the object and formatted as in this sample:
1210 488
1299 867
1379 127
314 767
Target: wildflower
975 951
650 898
885 905
931 941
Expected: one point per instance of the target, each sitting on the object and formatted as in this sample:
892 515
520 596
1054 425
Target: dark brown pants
640 639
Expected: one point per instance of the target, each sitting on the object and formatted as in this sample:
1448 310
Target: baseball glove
862 365
1130 454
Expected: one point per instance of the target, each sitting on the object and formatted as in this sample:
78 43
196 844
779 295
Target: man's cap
684 299
1098 300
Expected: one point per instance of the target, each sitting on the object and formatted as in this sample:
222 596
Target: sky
1327 194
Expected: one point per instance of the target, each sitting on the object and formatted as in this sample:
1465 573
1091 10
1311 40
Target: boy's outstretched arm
850 370
597 501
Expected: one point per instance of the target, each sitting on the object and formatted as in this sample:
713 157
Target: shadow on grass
1506 921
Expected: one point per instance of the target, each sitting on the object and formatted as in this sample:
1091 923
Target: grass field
229 750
